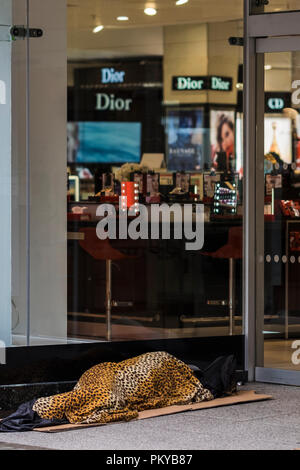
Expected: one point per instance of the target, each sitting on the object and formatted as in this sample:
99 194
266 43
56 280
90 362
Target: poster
184 139
104 142
278 137
272 182
222 137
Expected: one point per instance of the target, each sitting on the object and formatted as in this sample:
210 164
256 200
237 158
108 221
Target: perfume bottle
274 146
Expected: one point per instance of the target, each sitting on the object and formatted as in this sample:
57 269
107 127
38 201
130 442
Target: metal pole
28 182
231 296
249 255
108 299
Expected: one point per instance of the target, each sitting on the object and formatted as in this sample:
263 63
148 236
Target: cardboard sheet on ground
240 397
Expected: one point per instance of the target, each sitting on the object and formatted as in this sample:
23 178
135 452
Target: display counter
171 288
197 295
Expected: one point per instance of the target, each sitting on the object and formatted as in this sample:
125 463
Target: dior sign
275 102
109 102
220 83
198 83
190 83
183 83
110 75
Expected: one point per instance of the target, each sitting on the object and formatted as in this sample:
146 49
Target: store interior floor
266 425
278 354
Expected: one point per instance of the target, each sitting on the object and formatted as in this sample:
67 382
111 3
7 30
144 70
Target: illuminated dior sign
105 102
197 83
110 75
219 83
276 103
190 83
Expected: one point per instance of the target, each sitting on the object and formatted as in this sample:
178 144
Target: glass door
37 42
13 172
278 211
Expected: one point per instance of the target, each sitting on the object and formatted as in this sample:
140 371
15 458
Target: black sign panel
275 102
128 90
120 74
138 105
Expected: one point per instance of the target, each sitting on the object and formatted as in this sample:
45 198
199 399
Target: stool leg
108 299
231 296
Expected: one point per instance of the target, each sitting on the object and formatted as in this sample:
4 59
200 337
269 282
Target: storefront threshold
35 371
277 376
11 396
20 340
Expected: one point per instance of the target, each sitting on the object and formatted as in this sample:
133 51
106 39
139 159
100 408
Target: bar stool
102 250
232 251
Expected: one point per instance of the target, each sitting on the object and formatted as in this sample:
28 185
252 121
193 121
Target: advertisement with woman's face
222 137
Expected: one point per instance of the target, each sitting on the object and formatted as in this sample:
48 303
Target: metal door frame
275 32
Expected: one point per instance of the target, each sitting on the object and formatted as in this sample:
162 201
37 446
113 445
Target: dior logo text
105 102
110 75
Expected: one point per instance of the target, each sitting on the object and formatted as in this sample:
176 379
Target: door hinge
21 32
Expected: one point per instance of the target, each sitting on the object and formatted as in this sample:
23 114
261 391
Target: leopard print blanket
118 391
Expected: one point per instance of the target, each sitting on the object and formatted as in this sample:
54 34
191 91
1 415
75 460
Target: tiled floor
273 424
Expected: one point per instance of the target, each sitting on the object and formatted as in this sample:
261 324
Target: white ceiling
125 38
83 14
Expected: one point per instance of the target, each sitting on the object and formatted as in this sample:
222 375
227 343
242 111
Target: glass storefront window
143 107
160 108
281 216
259 7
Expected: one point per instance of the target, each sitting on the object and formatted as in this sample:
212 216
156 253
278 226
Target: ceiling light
181 2
268 67
98 28
122 18
150 11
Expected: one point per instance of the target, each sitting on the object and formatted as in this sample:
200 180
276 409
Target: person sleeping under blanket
111 391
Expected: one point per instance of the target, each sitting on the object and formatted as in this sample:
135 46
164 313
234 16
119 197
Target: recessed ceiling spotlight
150 11
268 67
98 28
181 2
122 18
